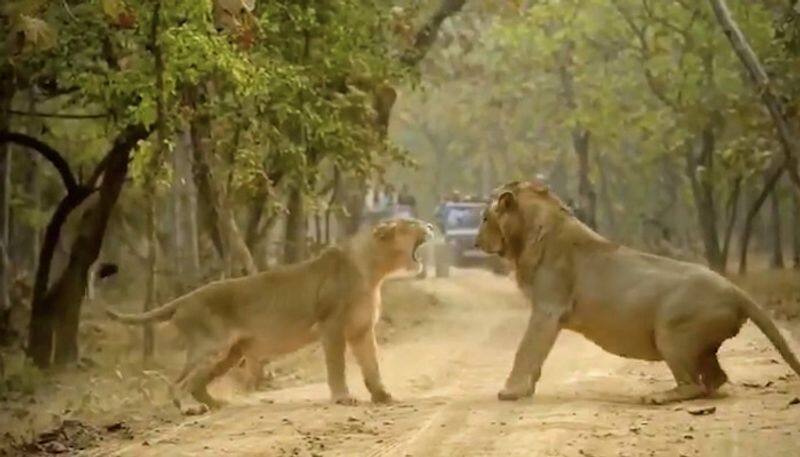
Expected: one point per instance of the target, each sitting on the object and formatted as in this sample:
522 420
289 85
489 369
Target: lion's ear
384 231
506 201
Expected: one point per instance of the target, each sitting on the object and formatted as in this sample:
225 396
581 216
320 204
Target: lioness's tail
768 327
159 314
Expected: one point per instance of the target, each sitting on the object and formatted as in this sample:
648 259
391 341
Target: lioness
335 296
632 304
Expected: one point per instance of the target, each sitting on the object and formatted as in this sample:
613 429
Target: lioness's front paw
344 399
381 396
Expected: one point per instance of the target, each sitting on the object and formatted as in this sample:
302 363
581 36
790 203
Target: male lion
335 296
632 304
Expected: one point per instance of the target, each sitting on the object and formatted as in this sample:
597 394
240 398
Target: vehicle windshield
462 217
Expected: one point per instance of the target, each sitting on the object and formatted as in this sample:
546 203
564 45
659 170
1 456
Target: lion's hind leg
683 358
711 373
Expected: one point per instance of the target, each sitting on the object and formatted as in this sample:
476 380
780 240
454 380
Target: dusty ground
447 352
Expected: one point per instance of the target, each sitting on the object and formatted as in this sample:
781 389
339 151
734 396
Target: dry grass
777 290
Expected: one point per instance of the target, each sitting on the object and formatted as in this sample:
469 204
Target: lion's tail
768 327
160 314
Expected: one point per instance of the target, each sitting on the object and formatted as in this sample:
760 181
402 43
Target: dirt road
445 373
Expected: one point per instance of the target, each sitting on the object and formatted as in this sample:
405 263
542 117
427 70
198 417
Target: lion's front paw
381 396
344 399
654 399
193 409
514 393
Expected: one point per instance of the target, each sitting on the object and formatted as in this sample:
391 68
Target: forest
148 147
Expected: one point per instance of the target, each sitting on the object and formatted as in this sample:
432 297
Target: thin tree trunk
769 185
586 194
733 212
207 215
150 190
587 198
795 232
234 243
186 212
605 195
295 249
151 284
6 94
775 238
703 193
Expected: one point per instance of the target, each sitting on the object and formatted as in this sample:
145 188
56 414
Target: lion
630 303
334 297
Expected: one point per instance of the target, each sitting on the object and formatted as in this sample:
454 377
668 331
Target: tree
787 133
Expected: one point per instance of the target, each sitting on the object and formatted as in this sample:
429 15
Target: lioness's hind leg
210 367
682 358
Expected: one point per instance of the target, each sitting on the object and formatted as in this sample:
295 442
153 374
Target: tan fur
632 304
334 297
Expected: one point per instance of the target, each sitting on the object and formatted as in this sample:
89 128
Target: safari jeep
459 222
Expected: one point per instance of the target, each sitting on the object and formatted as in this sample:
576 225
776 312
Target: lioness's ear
384 231
506 201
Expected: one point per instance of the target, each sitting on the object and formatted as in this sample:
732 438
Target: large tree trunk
776 241
296 248
40 330
66 295
770 181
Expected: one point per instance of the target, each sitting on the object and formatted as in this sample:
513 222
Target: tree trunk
207 215
40 329
66 295
605 196
775 238
185 200
151 285
733 215
295 249
150 190
586 195
6 94
795 232
769 185
235 246
703 194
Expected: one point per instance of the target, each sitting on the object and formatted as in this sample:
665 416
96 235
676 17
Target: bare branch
787 133
46 151
59 115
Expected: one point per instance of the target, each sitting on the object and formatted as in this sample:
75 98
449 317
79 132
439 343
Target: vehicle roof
465 204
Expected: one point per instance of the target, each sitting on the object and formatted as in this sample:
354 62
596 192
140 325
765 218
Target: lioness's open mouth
415 251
